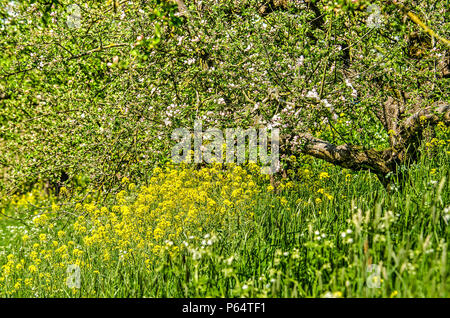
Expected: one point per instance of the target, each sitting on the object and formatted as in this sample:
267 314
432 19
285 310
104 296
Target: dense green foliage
103 98
90 95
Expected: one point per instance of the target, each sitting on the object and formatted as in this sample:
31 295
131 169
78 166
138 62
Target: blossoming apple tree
98 89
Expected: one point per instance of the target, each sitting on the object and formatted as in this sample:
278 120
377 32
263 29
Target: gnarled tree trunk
406 137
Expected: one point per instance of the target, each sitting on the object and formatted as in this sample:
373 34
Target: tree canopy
97 87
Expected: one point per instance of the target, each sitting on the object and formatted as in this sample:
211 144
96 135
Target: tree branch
182 8
385 161
411 129
419 22
347 156
439 111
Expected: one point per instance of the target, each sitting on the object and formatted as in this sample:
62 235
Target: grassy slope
299 244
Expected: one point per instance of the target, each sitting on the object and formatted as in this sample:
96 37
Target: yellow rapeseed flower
32 268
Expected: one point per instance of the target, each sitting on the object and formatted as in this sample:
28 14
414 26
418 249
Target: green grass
296 249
